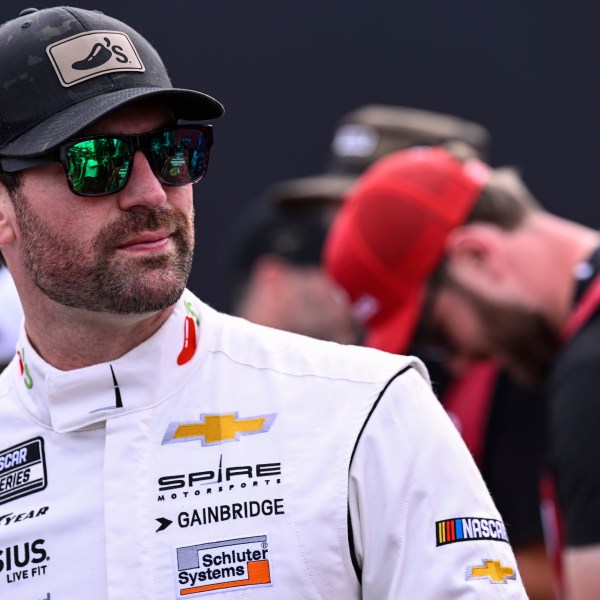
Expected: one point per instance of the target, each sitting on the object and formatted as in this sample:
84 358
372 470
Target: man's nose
143 187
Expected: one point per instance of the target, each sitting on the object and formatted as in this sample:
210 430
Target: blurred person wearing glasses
151 447
277 279
275 274
462 258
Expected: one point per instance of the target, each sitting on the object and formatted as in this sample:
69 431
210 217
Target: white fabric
11 315
120 506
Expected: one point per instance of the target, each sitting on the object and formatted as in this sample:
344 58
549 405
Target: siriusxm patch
464 529
22 470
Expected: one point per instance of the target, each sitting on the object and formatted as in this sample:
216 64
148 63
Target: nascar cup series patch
22 470
464 529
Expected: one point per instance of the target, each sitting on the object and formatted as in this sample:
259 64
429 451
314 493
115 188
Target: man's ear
7 219
270 272
477 252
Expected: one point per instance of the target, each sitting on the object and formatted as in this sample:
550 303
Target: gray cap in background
368 133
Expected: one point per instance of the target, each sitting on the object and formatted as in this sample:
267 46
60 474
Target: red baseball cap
390 233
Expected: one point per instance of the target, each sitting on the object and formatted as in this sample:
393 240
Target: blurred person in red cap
274 251
277 280
463 259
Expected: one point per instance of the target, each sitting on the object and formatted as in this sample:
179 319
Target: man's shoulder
296 355
571 389
579 356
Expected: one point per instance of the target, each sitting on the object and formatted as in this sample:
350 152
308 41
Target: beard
96 277
522 339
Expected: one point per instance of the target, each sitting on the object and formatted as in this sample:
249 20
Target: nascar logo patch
464 529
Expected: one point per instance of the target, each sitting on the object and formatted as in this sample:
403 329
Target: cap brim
395 333
52 132
329 187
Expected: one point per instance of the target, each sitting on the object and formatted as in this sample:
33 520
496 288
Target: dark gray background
528 70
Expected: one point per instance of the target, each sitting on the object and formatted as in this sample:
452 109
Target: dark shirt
513 458
573 395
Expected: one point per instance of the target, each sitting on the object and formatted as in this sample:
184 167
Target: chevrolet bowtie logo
492 570
217 429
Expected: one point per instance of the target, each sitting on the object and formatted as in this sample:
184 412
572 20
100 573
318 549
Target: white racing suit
224 459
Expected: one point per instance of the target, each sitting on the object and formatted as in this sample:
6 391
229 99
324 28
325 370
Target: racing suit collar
147 375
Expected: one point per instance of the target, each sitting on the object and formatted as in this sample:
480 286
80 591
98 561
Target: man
274 267
463 257
154 448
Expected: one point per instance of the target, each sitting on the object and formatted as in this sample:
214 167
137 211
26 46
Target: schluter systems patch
22 470
224 565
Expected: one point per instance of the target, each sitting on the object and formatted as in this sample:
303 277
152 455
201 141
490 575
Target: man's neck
568 244
70 338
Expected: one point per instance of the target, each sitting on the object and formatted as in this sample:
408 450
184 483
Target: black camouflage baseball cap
64 68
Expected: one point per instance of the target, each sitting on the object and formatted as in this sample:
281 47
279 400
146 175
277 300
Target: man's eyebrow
90 132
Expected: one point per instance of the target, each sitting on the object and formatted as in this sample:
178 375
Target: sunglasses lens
179 156
101 165
98 166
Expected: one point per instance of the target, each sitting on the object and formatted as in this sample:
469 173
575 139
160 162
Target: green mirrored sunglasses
99 165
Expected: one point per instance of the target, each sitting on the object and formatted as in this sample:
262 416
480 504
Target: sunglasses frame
134 142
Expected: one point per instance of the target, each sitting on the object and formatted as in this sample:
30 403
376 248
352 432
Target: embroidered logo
118 400
355 140
217 428
223 565
190 342
493 570
91 54
465 529
22 470
24 370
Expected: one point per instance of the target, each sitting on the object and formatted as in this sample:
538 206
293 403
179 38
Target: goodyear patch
223 565
464 529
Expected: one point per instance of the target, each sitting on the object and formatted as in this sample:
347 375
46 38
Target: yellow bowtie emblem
492 570
217 429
